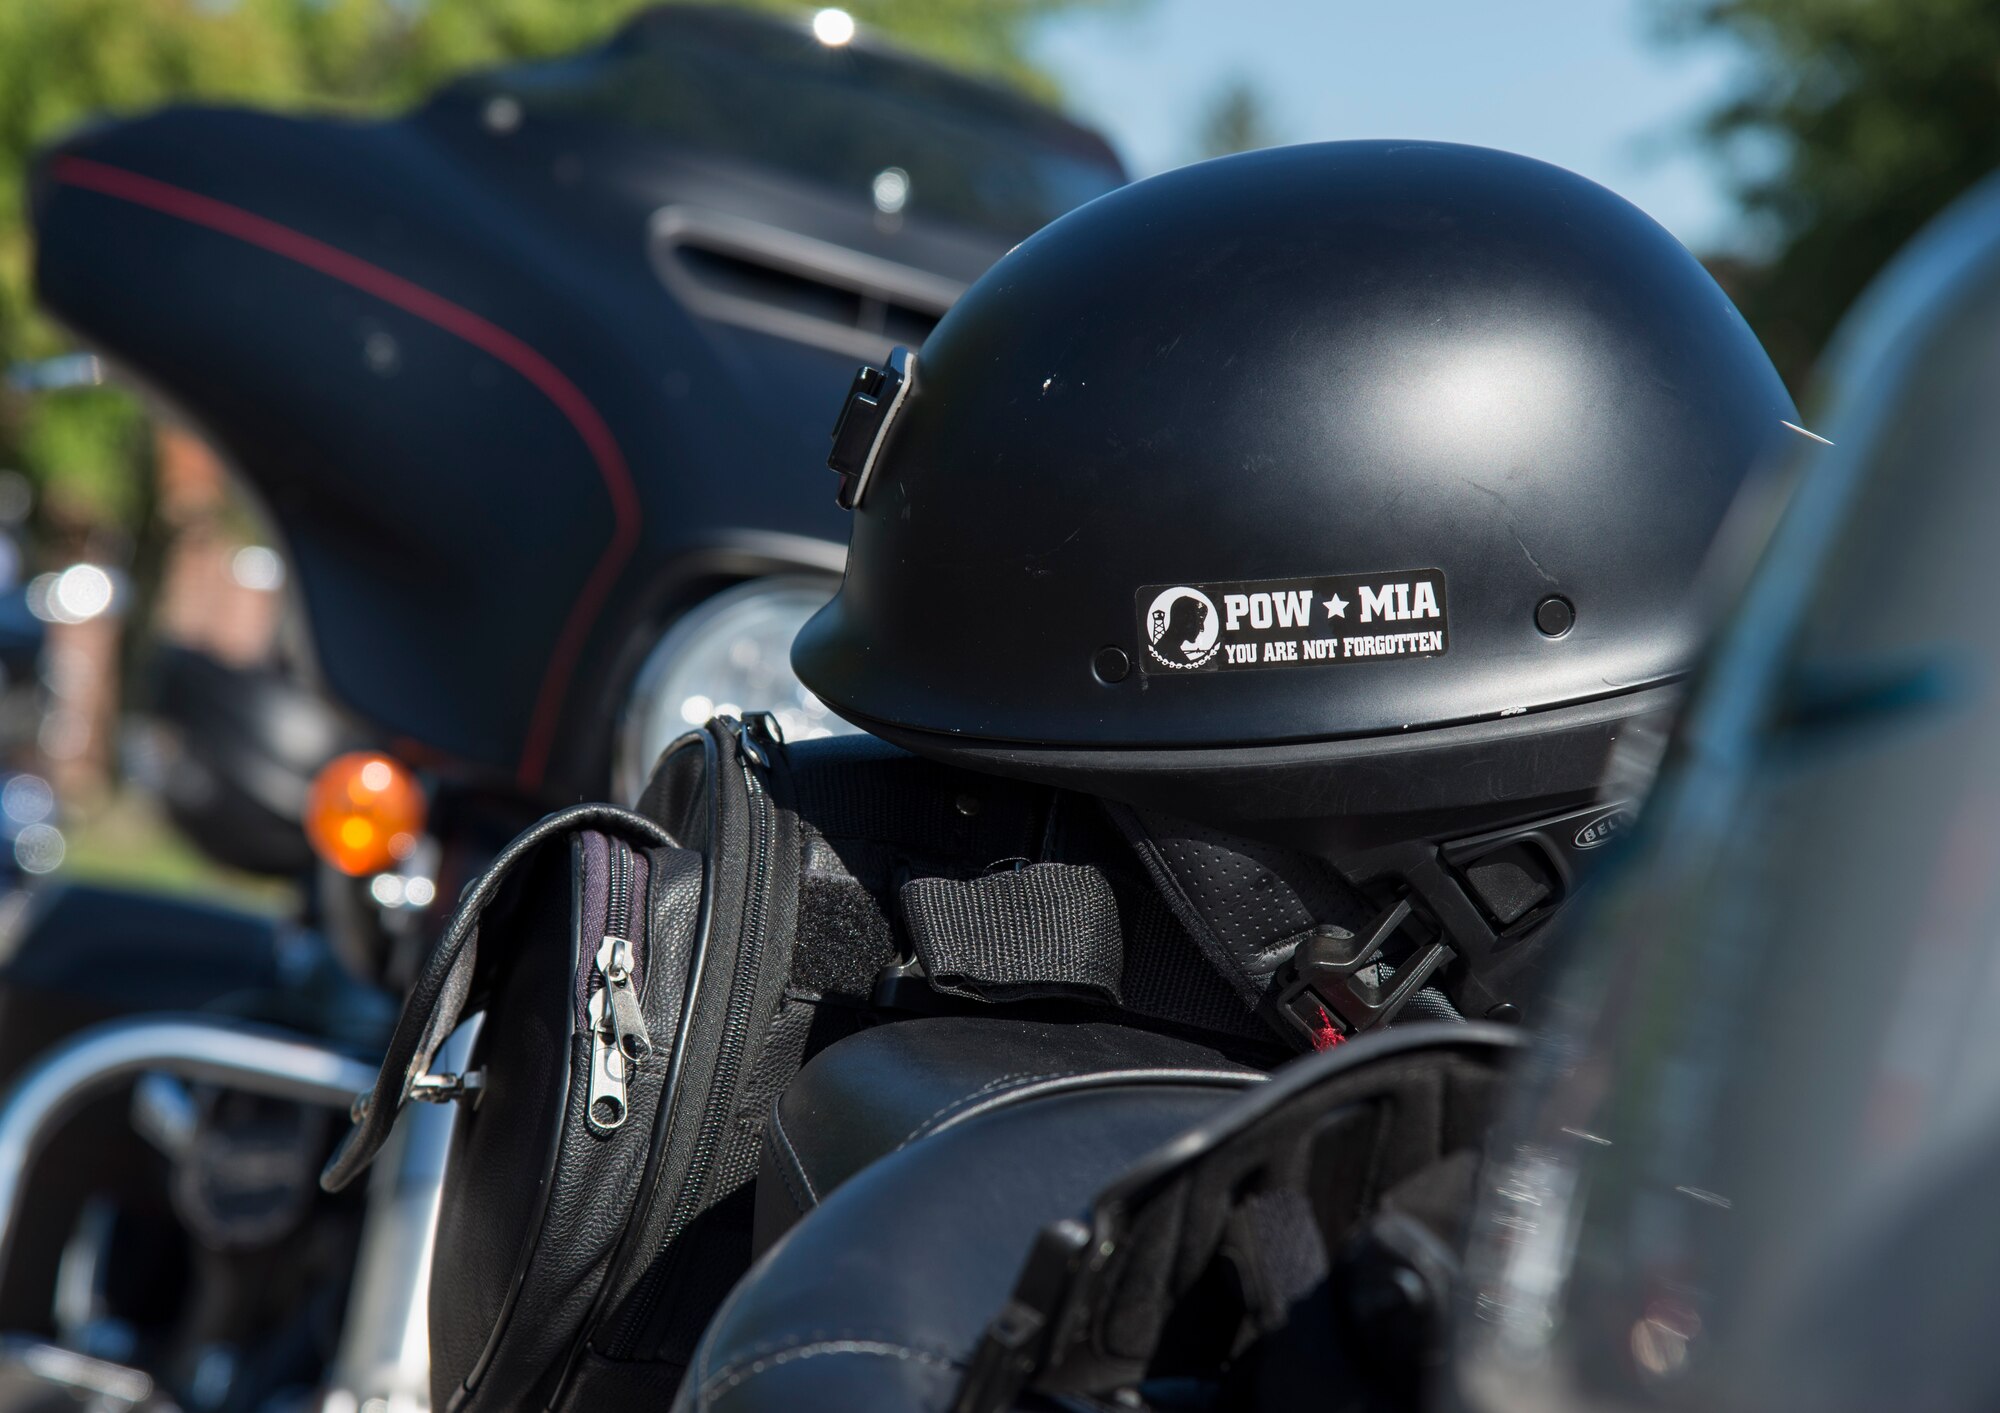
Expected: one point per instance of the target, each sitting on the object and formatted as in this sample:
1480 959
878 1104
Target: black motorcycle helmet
1342 497
1753 1165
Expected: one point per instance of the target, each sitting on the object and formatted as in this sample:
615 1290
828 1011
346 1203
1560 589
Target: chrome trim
96 1384
634 756
751 554
254 1058
448 1087
384 1352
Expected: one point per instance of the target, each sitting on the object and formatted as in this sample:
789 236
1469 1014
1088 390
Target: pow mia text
1193 627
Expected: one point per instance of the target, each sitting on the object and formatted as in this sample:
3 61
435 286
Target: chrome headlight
728 654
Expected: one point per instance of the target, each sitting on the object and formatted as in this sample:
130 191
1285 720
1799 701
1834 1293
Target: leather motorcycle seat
880 1296
878 1092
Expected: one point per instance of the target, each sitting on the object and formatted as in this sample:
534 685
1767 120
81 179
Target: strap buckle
1333 986
1020 1341
873 400
427 1089
448 1088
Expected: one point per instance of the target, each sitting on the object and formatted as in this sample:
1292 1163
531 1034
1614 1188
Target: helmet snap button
1111 664
1553 615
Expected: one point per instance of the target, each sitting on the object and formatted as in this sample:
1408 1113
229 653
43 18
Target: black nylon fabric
687 1240
1166 976
876 806
855 822
803 873
1277 1250
1389 1118
876 818
1211 1244
1428 1004
1049 930
845 939
1248 905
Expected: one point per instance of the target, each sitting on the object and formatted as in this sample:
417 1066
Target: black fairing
510 378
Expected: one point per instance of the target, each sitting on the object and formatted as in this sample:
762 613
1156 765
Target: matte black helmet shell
1315 373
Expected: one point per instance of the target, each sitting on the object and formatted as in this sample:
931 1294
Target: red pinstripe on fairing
454 319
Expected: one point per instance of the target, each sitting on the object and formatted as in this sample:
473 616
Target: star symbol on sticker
1336 607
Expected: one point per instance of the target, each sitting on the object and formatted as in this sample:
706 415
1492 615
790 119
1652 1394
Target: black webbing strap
1043 931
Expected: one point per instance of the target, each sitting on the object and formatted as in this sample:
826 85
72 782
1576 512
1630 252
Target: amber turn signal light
364 813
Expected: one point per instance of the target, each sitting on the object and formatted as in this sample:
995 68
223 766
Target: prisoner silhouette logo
1183 629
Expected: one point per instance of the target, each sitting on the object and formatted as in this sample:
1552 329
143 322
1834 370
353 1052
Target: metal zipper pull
607 1069
614 959
751 735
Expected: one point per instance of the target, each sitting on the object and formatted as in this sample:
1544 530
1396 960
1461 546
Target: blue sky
1578 82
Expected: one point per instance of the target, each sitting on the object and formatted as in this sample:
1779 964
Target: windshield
914 137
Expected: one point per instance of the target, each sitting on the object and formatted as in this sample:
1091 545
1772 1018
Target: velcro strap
1047 931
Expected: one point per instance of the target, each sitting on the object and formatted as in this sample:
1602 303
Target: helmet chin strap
1338 984
1324 950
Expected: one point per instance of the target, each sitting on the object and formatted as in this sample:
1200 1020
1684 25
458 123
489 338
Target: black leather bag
630 967
651 980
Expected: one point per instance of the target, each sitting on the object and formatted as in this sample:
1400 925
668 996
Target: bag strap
437 1000
1249 1189
1045 931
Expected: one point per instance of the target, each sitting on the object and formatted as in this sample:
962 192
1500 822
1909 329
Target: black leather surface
532 1195
874 1093
489 1216
433 1007
878 1298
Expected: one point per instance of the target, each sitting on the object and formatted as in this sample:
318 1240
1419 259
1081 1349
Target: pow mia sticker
1292 622
1183 629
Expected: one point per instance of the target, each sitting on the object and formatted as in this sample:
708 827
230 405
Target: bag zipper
618 1038
735 1036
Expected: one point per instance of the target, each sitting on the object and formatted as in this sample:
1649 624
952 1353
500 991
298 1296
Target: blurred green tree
63 61
1236 120
1855 122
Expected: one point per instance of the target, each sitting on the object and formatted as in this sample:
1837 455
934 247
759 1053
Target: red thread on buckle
1325 1034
